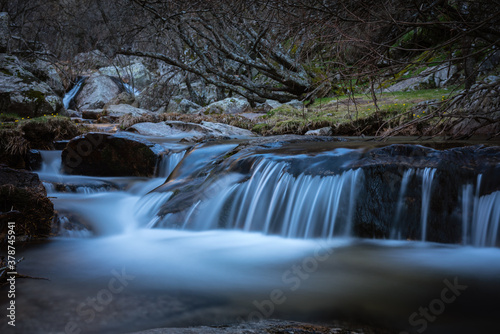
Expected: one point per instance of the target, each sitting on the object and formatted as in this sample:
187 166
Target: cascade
427 178
480 216
68 97
168 163
273 201
396 232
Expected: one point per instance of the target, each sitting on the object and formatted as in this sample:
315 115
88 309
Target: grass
354 115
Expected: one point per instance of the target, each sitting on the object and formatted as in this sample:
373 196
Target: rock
46 72
122 98
136 74
433 77
187 107
267 106
490 62
295 104
443 74
484 103
4 32
24 200
230 105
90 60
190 131
156 96
326 131
92 113
100 154
96 92
228 130
118 110
24 94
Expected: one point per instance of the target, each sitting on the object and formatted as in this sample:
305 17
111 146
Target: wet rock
24 201
100 154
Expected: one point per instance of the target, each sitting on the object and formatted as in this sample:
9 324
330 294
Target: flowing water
70 95
265 239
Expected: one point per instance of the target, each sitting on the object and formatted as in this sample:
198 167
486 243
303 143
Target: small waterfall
480 216
51 162
73 91
427 178
131 90
396 232
168 163
273 201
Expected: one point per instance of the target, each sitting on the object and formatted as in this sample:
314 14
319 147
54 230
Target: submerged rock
100 154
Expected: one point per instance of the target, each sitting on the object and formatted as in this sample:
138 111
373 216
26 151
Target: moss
35 95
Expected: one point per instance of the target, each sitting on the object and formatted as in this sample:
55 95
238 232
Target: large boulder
101 154
190 131
23 93
24 201
231 105
96 92
136 74
46 72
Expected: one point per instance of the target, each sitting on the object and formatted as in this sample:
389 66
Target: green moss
35 95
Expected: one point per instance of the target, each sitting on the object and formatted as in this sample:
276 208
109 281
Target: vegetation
275 49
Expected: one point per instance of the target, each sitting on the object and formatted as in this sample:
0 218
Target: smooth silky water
274 236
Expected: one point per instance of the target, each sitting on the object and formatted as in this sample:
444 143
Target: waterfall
396 232
51 161
72 93
131 90
427 178
480 216
168 163
273 201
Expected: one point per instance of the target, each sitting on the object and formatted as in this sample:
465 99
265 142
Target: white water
480 216
131 90
427 178
168 163
396 231
275 202
191 277
72 92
